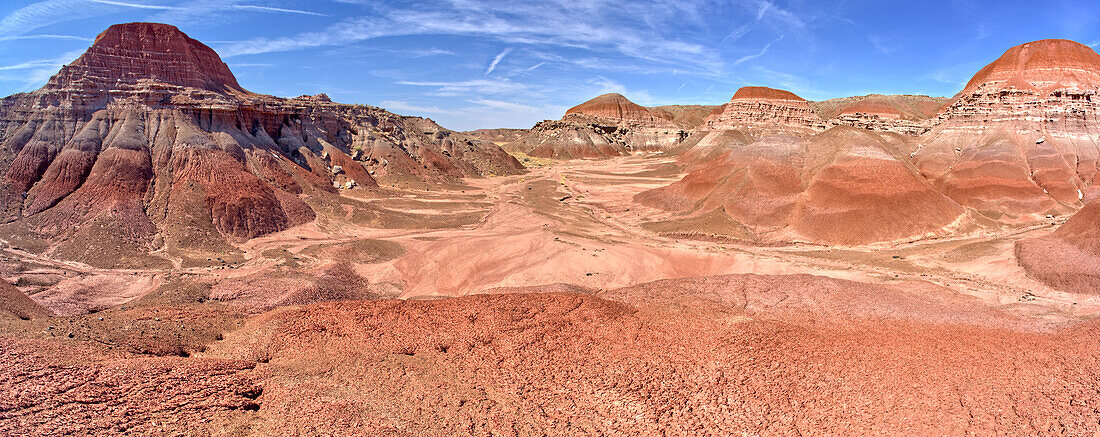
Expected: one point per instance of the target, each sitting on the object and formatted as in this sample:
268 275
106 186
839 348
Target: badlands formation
180 256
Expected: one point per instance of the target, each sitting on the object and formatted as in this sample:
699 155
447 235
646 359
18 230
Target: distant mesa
762 110
608 125
614 106
765 93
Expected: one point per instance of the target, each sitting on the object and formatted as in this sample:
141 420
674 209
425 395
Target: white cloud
764 50
636 31
135 5
476 86
428 52
507 106
496 60
37 72
399 106
45 13
884 44
45 36
273 9
605 86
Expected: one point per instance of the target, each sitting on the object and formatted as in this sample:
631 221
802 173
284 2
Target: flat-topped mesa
617 108
1019 142
765 93
766 110
125 55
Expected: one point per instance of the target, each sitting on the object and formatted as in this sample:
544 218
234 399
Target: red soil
1069 258
722 355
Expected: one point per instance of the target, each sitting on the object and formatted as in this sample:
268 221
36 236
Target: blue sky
471 64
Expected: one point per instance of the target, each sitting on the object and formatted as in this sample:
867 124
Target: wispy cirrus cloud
764 50
274 9
33 74
496 60
403 106
632 30
135 5
49 12
44 36
884 44
476 86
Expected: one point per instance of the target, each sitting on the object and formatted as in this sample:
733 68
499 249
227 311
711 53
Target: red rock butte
893 106
763 92
612 105
1047 60
132 52
766 110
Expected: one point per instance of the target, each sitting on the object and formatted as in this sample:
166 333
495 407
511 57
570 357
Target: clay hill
1016 145
1020 140
147 142
904 114
610 125
760 110
843 186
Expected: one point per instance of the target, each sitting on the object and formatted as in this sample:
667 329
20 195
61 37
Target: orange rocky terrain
179 256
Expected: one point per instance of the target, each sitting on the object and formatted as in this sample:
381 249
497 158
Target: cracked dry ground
719 355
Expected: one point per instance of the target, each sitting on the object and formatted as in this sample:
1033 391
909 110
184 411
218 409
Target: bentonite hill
180 256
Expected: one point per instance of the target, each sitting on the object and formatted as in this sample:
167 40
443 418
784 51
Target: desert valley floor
571 314
182 256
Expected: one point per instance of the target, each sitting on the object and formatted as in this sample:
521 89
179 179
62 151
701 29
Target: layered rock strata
1021 140
608 125
844 186
147 141
766 110
904 114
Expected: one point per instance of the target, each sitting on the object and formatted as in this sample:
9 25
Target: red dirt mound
844 186
1069 258
58 389
16 305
